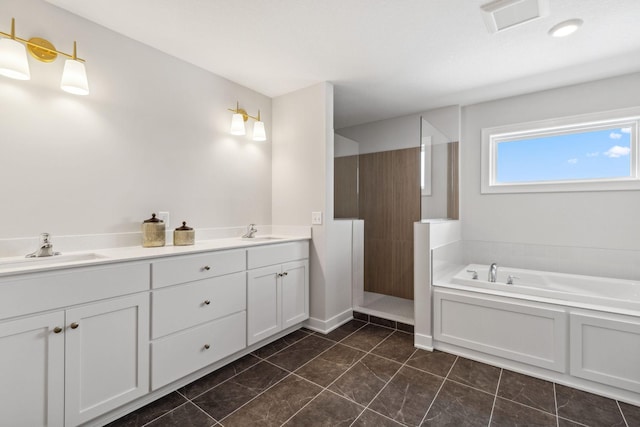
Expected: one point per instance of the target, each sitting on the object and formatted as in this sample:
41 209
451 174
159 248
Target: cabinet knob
74 325
278 274
207 302
207 346
57 330
206 268
285 273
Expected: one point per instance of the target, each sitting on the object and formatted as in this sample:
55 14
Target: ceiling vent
502 14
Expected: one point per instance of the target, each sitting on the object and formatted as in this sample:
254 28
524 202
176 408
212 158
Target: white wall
583 219
403 132
303 151
385 135
344 147
152 135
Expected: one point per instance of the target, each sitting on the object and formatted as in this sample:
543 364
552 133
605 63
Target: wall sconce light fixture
237 123
14 63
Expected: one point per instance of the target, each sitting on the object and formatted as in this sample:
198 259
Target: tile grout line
366 353
260 359
385 386
555 402
289 373
424 417
179 406
495 398
292 372
622 413
228 379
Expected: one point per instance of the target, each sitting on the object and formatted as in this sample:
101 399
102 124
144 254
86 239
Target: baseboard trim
425 342
326 326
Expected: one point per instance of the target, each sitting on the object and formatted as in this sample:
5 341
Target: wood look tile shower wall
389 203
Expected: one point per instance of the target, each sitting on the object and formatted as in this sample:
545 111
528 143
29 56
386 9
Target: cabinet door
32 371
295 293
107 356
263 308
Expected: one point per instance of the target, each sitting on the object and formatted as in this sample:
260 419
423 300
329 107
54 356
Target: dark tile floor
364 374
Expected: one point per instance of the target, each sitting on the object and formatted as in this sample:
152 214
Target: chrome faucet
493 272
45 249
251 231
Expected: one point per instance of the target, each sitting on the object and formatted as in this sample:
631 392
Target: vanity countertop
20 265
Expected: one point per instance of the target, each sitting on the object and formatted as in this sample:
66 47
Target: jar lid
184 227
152 219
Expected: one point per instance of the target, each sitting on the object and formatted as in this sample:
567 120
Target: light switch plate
164 216
316 218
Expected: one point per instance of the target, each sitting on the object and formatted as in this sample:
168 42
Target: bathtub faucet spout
493 272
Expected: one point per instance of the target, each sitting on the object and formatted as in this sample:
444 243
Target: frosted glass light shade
258 132
74 78
13 60
237 124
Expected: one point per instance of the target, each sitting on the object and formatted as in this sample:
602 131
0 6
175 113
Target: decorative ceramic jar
153 232
184 236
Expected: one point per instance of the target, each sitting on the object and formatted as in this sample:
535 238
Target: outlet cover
316 218
164 216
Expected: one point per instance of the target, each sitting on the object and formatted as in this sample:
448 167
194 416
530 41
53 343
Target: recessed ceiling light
565 28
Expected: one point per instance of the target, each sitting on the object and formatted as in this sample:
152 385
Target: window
594 152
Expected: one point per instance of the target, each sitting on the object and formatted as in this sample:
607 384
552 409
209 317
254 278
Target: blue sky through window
594 154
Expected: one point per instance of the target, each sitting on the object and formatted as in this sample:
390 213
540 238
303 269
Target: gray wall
584 219
152 135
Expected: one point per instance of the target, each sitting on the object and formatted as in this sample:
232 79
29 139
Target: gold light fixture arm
244 113
39 48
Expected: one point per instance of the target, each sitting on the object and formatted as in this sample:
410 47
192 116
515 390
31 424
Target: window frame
491 137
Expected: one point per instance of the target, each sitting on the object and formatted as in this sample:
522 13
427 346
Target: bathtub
575 330
570 289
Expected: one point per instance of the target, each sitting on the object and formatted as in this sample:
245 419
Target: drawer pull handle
57 330
207 346
74 325
207 302
206 268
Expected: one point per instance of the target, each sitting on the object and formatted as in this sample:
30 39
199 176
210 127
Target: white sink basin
260 239
15 262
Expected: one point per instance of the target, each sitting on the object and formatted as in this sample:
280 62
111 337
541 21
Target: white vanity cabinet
74 363
198 312
277 288
32 371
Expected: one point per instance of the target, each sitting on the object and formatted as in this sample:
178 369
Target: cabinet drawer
188 268
181 307
261 256
31 293
179 355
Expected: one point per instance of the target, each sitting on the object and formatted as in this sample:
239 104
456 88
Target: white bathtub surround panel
601 262
527 332
606 349
591 348
430 234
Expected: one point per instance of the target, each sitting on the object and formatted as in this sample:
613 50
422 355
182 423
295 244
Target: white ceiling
386 58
